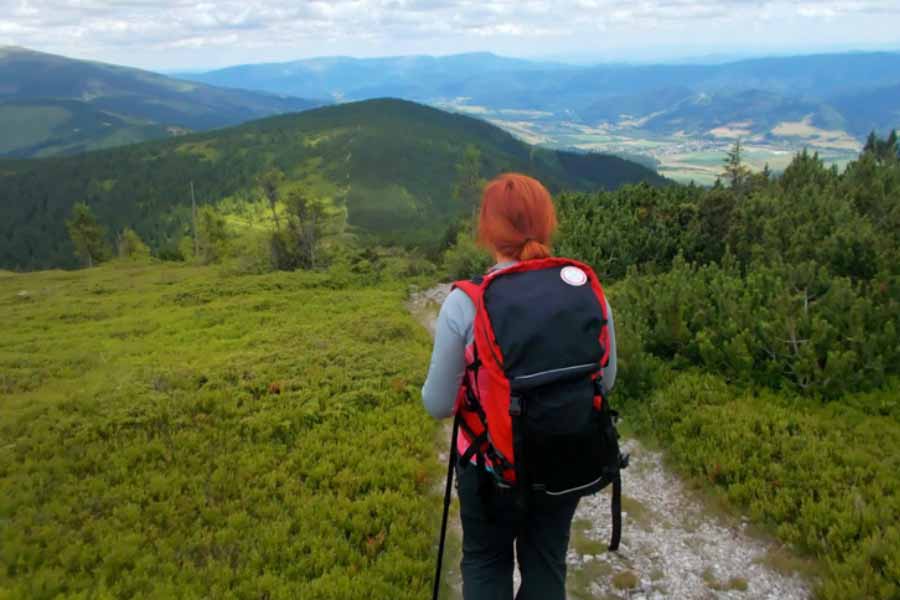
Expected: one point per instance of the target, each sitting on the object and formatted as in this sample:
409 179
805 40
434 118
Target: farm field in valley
679 156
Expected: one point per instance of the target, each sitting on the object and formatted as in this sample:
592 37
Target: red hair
517 217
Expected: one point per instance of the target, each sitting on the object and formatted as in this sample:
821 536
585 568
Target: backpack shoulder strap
473 288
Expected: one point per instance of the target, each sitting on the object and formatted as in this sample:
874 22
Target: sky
186 35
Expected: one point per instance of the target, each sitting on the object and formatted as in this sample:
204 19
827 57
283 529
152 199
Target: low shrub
823 477
198 434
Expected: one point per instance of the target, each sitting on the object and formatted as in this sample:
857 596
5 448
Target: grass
581 542
704 167
27 126
202 150
738 584
177 431
581 578
625 580
820 137
637 512
782 560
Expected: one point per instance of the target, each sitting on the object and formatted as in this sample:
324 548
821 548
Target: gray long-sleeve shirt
453 332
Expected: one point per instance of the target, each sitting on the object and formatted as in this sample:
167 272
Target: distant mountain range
392 163
345 78
55 105
852 92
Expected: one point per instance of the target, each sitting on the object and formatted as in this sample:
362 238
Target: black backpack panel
537 310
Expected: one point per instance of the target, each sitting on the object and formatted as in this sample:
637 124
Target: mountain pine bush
758 332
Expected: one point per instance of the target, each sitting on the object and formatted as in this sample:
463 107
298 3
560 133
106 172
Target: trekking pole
451 463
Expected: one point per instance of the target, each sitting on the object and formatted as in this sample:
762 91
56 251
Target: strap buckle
515 405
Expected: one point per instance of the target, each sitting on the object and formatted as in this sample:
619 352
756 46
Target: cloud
831 9
214 30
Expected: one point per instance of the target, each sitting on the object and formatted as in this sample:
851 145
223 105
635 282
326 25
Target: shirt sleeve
453 331
609 373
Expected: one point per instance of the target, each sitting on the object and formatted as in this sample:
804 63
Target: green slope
49 127
55 105
393 162
172 432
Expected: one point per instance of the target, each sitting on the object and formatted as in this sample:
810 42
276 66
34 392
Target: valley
679 118
680 156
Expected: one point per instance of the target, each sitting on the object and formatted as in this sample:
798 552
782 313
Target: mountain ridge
392 163
134 104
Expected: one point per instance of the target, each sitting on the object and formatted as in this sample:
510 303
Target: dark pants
539 528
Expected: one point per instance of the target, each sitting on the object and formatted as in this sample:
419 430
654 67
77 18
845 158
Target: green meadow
177 431
30 125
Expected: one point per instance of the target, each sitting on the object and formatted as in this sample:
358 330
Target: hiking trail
673 544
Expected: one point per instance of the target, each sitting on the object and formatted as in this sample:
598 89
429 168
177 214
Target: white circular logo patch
573 276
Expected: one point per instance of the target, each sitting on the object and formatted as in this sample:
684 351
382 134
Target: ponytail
532 249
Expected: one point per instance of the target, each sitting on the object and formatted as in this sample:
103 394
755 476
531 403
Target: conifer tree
469 183
309 220
87 235
130 245
270 181
212 235
890 148
736 172
871 142
883 150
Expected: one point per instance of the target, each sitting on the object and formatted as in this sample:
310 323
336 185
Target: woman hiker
516 222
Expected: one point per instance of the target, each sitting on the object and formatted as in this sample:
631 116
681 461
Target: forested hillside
395 167
56 105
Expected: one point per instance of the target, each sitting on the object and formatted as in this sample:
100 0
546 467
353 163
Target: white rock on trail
671 548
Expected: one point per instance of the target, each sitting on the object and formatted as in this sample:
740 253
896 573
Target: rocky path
672 545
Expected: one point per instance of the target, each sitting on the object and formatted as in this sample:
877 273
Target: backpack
532 406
